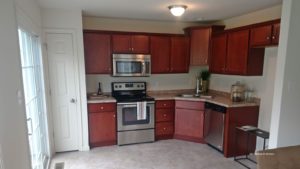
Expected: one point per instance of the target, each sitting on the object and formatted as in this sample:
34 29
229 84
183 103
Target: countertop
219 98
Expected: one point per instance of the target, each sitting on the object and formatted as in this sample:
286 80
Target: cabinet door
261 36
121 43
189 123
179 55
160 54
102 128
218 53
140 44
237 52
275 33
97 53
200 39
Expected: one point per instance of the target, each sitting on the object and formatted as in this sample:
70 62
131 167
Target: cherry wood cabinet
102 124
138 44
232 55
218 53
169 54
265 35
236 142
200 43
160 54
189 120
237 52
97 53
164 119
179 60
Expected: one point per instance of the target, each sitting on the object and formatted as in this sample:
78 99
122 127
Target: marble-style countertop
219 99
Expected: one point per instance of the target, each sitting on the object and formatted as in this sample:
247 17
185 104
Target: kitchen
102 45
135 84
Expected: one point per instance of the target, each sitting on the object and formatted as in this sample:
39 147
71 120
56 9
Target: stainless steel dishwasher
214 125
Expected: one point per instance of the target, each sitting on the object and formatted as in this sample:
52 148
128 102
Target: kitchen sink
97 97
195 96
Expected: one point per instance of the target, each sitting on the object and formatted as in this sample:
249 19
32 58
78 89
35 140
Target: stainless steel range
135 113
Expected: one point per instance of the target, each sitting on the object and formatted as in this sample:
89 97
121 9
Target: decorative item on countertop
204 81
249 95
238 92
99 89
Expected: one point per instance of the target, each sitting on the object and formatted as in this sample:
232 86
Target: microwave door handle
144 68
129 106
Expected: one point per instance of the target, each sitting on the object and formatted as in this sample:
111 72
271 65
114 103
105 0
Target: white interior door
61 57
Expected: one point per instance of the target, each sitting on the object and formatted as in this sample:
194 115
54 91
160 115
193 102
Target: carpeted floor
167 154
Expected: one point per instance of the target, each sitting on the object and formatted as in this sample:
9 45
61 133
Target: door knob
73 100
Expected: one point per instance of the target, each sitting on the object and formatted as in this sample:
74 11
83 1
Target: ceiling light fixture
177 10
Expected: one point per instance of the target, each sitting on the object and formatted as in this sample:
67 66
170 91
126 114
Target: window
34 98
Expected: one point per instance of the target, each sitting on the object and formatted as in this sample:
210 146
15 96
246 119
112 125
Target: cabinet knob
165 115
132 49
101 107
165 104
267 37
165 128
273 37
114 116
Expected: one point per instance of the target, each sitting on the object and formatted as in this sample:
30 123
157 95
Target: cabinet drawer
165 104
164 115
194 105
101 107
164 128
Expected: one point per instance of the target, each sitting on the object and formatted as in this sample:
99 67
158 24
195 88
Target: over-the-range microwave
131 65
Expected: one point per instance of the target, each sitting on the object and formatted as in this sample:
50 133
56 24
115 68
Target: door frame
80 113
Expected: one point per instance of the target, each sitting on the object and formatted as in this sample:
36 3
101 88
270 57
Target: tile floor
167 154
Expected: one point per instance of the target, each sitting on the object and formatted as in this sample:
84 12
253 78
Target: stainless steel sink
195 96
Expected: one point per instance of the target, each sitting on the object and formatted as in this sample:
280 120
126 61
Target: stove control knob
120 86
138 86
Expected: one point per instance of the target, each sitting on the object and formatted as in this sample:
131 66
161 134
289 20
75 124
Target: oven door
127 117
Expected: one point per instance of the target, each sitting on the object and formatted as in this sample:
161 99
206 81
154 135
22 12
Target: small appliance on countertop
135 113
238 92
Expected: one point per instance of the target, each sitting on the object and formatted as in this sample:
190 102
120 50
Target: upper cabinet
160 54
218 53
265 34
200 40
231 54
169 54
138 44
97 52
179 60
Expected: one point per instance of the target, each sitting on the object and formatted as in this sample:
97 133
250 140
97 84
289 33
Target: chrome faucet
198 87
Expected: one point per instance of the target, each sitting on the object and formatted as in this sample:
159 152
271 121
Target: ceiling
198 10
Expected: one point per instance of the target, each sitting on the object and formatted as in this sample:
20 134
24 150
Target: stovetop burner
130 92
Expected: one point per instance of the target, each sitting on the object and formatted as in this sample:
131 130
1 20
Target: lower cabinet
102 124
164 119
189 120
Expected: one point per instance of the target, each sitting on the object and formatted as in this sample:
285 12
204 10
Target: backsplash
154 82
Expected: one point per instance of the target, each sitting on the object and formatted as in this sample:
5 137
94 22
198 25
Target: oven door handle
133 104
129 106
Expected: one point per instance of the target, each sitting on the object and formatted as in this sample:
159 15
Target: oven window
129 67
130 116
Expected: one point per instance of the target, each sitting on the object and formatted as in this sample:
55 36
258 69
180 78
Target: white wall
13 130
56 19
134 25
154 82
285 118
